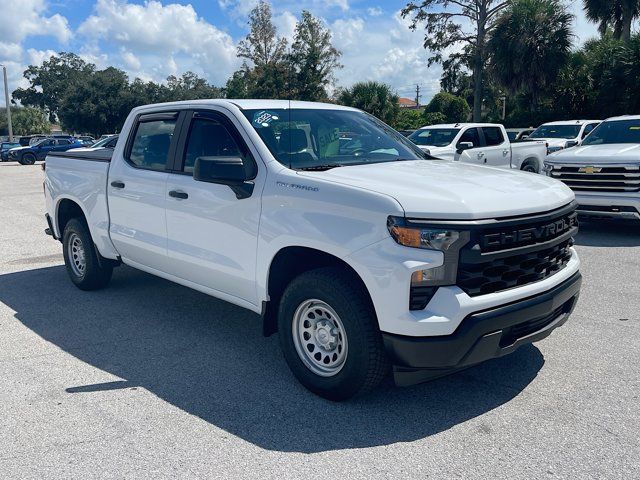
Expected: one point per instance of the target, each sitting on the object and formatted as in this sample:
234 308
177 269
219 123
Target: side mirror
228 171
524 136
572 143
462 146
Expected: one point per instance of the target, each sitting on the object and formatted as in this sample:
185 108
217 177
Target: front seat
293 145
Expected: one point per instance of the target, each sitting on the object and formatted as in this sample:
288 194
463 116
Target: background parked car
29 155
4 149
108 142
517 134
563 134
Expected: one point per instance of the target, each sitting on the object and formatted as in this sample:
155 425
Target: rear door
212 234
136 190
497 148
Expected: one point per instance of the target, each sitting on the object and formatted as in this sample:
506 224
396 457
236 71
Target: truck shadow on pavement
604 233
209 359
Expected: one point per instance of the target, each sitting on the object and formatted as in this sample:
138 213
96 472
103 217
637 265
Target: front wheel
28 159
329 334
85 269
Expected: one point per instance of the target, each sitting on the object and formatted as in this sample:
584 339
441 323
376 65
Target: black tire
28 159
96 272
366 362
530 166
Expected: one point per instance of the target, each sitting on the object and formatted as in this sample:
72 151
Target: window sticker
263 118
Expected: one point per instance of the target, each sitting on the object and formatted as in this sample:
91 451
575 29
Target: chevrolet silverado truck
480 144
367 258
563 134
604 169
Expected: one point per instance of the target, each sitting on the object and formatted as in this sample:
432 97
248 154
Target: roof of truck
462 125
623 117
571 122
245 104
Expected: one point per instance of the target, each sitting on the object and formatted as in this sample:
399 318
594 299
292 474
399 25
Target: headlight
420 237
547 168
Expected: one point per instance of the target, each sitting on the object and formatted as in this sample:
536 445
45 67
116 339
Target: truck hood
617 153
441 189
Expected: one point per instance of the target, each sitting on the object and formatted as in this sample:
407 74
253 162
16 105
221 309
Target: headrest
293 140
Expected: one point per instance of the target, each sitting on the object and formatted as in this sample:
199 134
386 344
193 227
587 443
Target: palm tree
617 13
373 97
530 44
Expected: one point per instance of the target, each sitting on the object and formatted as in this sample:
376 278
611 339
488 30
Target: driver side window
470 135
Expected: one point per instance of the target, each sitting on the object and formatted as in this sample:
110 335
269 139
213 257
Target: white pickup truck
563 134
366 255
604 169
480 144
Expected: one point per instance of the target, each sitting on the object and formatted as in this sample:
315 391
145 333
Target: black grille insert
515 254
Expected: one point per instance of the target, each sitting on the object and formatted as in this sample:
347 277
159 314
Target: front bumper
621 206
482 335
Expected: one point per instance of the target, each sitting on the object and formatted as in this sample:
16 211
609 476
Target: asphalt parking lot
150 379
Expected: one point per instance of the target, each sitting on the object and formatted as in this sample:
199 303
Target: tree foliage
616 14
313 59
458 23
373 97
452 108
529 46
25 121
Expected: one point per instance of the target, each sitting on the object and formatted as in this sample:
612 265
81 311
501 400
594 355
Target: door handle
178 194
117 184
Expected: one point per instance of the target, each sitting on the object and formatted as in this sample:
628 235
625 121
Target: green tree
408 119
453 109
50 81
25 121
530 44
434 118
313 59
455 23
372 97
189 87
618 14
266 72
99 105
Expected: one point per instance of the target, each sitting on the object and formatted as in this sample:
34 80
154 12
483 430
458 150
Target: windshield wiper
320 168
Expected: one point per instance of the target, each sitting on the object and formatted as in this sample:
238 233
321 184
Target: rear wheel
86 270
28 159
329 334
530 166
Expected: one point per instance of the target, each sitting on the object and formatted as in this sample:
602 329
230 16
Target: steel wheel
75 250
319 338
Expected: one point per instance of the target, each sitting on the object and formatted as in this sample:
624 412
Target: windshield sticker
264 118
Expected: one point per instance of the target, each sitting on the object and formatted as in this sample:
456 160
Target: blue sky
154 39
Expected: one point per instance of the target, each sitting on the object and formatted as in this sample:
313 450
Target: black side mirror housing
572 143
462 146
228 171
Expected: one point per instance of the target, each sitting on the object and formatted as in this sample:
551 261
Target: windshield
618 131
436 137
102 143
318 139
556 131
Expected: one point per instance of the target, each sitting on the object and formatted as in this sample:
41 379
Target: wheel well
529 160
67 210
288 264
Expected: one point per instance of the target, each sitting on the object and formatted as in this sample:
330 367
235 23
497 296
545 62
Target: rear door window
151 143
493 136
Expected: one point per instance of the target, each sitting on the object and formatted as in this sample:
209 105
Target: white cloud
374 11
165 39
285 23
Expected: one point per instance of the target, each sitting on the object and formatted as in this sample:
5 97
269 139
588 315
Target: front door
136 191
212 235
475 154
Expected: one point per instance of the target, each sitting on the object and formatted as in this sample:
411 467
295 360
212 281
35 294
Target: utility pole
417 95
6 98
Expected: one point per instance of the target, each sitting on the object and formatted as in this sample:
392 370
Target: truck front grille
599 179
518 252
